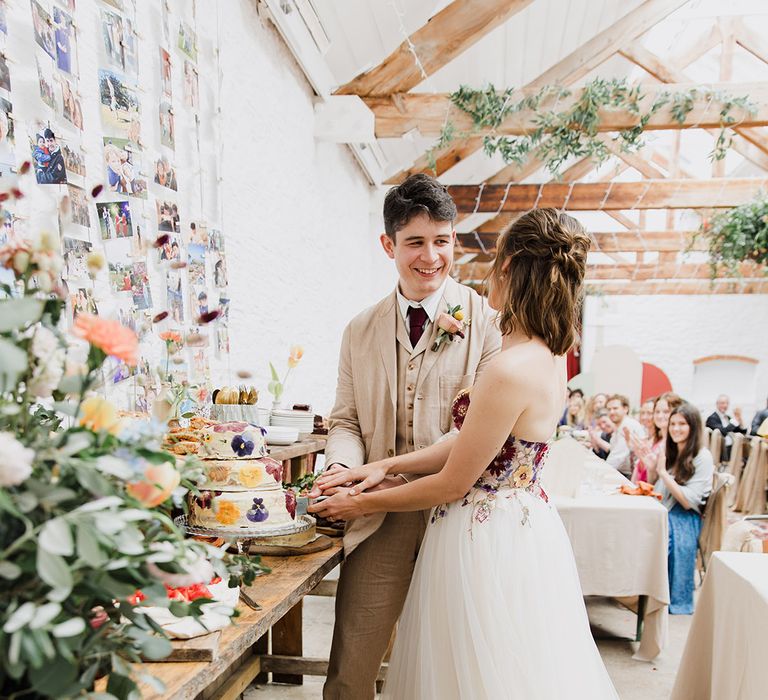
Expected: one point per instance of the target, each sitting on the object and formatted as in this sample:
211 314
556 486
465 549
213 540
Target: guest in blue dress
683 476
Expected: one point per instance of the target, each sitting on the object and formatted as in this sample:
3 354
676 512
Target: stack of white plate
303 421
277 435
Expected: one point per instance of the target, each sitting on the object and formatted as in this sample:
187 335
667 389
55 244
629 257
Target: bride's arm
498 400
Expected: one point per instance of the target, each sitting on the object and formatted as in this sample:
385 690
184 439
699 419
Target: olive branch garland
573 132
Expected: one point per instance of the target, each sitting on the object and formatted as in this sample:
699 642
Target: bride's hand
369 475
333 470
340 506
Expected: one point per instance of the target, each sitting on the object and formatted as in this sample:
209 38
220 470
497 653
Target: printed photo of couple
78 204
219 271
216 240
123 165
43 26
114 220
5 74
170 251
75 254
119 106
198 302
82 301
168 217
175 298
165 174
48 159
64 35
112 31
70 104
191 88
45 82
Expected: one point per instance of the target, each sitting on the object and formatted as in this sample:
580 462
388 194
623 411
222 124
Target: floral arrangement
738 235
276 385
451 325
85 503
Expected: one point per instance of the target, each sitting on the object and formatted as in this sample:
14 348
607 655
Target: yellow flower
98 414
251 476
297 352
95 262
459 315
523 476
227 513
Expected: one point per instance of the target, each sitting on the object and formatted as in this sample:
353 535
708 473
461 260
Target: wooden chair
751 496
714 515
716 447
735 467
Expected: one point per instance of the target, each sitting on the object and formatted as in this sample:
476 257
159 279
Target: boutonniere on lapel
450 325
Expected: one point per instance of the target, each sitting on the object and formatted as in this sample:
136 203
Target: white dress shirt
618 457
430 304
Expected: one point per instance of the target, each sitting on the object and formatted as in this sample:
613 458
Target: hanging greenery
573 132
738 235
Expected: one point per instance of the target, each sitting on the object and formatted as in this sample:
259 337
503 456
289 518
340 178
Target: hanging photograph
112 31
114 219
75 258
65 40
191 88
45 81
170 250
73 160
175 298
215 240
141 294
166 74
43 26
5 73
82 302
70 104
130 49
123 167
117 4
119 106
78 203
196 264
6 131
187 40
197 234
198 298
222 340
168 217
120 277
219 271
167 129
47 158
3 16
165 173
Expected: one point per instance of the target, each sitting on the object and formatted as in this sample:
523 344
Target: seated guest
683 476
600 435
647 450
618 411
720 420
574 412
645 416
758 420
595 404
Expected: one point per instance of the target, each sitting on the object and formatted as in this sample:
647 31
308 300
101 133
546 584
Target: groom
394 396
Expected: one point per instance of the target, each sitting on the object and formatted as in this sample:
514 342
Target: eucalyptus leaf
100 504
53 569
53 677
69 628
130 540
155 648
14 649
88 548
56 537
76 442
44 642
20 617
153 682
72 383
31 650
122 687
68 408
45 614
13 363
9 571
19 313
114 466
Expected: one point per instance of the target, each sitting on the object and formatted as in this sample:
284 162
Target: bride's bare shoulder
519 367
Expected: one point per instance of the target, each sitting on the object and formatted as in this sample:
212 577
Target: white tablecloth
726 655
619 542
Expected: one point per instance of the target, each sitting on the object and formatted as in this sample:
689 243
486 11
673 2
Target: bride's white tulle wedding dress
495 609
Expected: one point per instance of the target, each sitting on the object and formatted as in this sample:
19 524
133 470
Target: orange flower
227 513
110 336
297 352
171 337
99 414
157 485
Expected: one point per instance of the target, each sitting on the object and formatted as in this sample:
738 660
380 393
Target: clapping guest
574 412
647 450
645 416
758 420
683 476
595 404
720 420
618 412
600 435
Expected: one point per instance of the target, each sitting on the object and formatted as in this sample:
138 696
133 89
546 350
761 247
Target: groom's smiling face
423 254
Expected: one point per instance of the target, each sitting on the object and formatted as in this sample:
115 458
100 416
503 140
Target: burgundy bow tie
417 319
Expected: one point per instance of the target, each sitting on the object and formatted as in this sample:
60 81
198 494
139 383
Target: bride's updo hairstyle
537 277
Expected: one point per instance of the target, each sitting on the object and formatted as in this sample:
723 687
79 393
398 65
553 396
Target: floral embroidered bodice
517 466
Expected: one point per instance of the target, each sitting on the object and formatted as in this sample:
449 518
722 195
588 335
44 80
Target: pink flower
110 336
450 325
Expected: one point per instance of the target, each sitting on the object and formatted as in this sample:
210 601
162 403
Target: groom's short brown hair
418 194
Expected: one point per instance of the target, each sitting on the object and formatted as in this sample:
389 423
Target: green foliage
573 132
738 235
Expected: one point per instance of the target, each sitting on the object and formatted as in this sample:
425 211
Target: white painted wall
671 331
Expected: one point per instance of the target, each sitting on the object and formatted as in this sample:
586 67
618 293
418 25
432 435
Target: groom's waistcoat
392 398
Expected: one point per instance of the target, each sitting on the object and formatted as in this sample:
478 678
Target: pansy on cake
233 440
262 509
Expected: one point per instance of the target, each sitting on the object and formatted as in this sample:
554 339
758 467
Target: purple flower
242 447
258 512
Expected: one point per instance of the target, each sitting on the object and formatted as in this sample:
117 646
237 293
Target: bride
495 608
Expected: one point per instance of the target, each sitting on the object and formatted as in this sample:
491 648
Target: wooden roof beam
566 72
610 196
446 35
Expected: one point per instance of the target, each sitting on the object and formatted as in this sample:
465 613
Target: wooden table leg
287 640
261 648
642 604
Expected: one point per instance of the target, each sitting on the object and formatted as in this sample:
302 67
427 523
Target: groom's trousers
373 584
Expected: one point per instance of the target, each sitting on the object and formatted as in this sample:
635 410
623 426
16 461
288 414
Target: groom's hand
332 469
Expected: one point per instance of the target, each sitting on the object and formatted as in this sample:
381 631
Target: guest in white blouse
683 476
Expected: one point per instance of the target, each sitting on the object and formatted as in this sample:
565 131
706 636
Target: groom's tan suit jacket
376 363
